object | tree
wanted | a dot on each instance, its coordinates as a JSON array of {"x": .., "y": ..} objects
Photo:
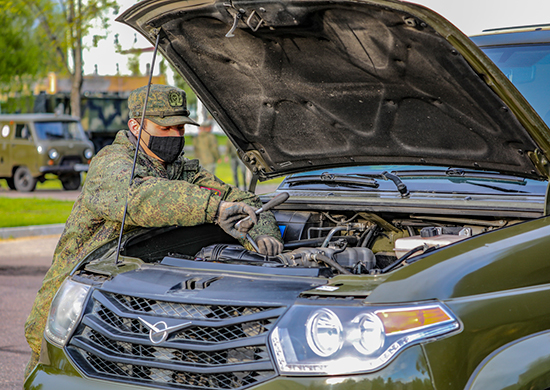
[
  {"x": 21, "y": 61},
  {"x": 63, "y": 23},
  {"x": 133, "y": 64},
  {"x": 182, "y": 84}
]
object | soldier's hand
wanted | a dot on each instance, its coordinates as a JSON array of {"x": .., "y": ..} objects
[
  {"x": 229, "y": 213},
  {"x": 269, "y": 245}
]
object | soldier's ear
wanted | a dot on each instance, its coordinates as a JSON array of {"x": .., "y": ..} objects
[{"x": 133, "y": 125}]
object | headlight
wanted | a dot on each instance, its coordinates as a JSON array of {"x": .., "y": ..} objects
[
  {"x": 352, "y": 339},
  {"x": 324, "y": 332},
  {"x": 88, "y": 154},
  {"x": 53, "y": 154},
  {"x": 369, "y": 336},
  {"x": 65, "y": 311}
]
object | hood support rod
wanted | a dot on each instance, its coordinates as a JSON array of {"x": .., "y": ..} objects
[{"x": 157, "y": 32}]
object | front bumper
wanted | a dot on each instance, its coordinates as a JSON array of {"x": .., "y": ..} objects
[
  {"x": 60, "y": 169},
  {"x": 55, "y": 371}
]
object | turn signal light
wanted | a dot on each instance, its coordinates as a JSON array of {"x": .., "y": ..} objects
[{"x": 405, "y": 320}]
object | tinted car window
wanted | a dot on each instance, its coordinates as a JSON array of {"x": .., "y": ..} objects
[
  {"x": 22, "y": 131},
  {"x": 528, "y": 68},
  {"x": 59, "y": 130}
]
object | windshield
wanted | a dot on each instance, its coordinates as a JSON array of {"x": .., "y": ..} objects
[
  {"x": 59, "y": 130},
  {"x": 528, "y": 68}
]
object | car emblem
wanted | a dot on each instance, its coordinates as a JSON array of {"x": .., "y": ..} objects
[{"x": 159, "y": 331}]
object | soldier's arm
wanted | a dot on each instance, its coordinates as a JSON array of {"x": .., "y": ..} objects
[
  {"x": 152, "y": 201},
  {"x": 266, "y": 221}
]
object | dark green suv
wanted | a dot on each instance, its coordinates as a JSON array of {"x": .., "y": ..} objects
[
  {"x": 417, "y": 236},
  {"x": 33, "y": 145},
  {"x": 523, "y": 55}
]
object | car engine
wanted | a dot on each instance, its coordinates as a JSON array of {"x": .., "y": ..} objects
[
  {"x": 355, "y": 246},
  {"x": 329, "y": 242}
]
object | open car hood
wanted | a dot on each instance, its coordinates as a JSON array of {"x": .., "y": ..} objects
[{"x": 318, "y": 84}]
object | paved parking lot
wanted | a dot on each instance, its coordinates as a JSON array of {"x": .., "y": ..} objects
[
  {"x": 23, "y": 263},
  {"x": 52, "y": 194}
]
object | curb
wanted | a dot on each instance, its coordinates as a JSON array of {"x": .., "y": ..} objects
[{"x": 31, "y": 231}]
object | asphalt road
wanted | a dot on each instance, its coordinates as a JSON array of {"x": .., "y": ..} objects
[
  {"x": 23, "y": 263},
  {"x": 50, "y": 194}
]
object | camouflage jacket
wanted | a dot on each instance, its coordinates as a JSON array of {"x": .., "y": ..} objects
[
  {"x": 206, "y": 148},
  {"x": 181, "y": 194}
]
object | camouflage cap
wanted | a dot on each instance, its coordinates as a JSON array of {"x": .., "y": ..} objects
[{"x": 166, "y": 105}]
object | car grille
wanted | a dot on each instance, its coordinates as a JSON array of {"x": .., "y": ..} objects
[
  {"x": 222, "y": 347},
  {"x": 70, "y": 160}
]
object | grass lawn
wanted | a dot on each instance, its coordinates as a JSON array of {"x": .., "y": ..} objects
[
  {"x": 51, "y": 184},
  {"x": 32, "y": 211}
]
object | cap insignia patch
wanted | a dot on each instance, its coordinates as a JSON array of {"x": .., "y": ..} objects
[{"x": 175, "y": 98}]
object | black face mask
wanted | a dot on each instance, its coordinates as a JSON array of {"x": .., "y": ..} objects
[{"x": 166, "y": 148}]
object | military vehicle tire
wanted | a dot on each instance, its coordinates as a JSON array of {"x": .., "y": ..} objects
[
  {"x": 23, "y": 180},
  {"x": 11, "y": 185},
  {"x": 70, "y": 182}
]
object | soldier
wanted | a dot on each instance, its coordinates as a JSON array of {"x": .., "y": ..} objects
[
  {"x": 237, "y": 166},
  {"x": 167, "y": 189},
  {"x": 206, "y": 147}
]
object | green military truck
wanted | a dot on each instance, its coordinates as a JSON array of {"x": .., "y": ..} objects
[
  {"x": 102, "y": 114},
  {"x": 33, "y": 145}
]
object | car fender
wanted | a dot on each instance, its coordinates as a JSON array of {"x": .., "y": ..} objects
[
  {"x": 502, "y": 260},
  {"x": 521, "y": 364}
]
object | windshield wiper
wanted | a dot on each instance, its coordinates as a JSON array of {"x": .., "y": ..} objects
[
  {"x": 459, "y": 175},
  {"x": 462, "y": 173},
  {"x": 333, "y": 179},
  {"x": 401, "y": 187},
  {"x": 496, "y": 188},
  {"x": 354, "y": 179}
]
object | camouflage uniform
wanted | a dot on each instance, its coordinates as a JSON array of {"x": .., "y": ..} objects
[
  {"x": 237, "y": 166},
  {"x": 182, "y": 193}
]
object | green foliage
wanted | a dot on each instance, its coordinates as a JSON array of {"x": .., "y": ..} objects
[
  {"x": 23, "y": 103},
  {"x": 182, "y": 84},
  {"x": 133, "y": 64},
  {"x": 162, "y": 66},
  {"x": 63, "y": 23},
  {"x": 43, "y": 36},
  {"x": 22, "y": 59}
]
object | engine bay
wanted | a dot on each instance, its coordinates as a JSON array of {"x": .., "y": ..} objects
[
  {"x": 362, "y": 243},
  {"x": 328, "y": 243}
]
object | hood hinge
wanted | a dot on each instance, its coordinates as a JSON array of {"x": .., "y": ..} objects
[
  {"x": 251, "y": 18},
  {"x": 153, "y": 32},
  {"x": 255, "y": 162},
  {"x": 540, "y": 161}
]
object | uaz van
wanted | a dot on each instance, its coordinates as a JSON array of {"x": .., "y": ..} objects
[{"x": 32, "y": 145}]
